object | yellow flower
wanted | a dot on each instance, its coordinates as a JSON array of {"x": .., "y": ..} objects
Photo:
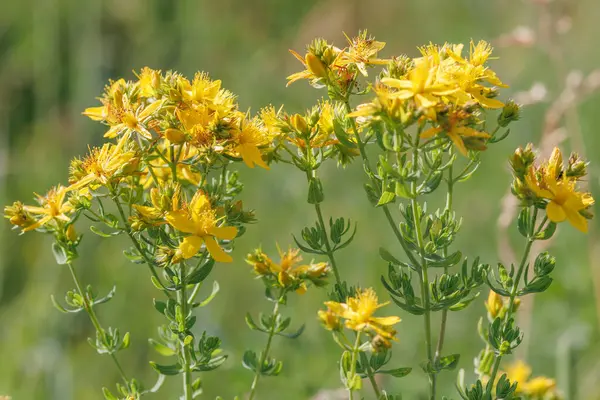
[
  {"x": 199, "y": 220},
  {"x": 17, "y": 215},
  {"x": 358, "y": 312},
  {"x": 52, "y": 208},
  {"x": 421, "y": 85},
  {"x": 149, "y": 81},
  {"x": 102, "y": 165},
  {"x": 201, "y": 90},
  {"x": 455, "y": 130},
  {"x": 538, "y": 387},
  {"x": 288, "y": 272},
  {"x": 163, "y": 199},
  {"x": 565, "y": 203},
  {"x": 362, "y": 52},
  {"x": 330, "y": 320},
  {"x": 247, "y": 141}
]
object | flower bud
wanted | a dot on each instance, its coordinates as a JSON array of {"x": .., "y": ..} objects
[
  {"x": 577, "y": 168},
  {"x": 494, "y": 305},
  {"x": 521, "y": 160},
  {"x": 71, "y": 234},
  {"x": 511, "y": 112},
  {"x": 299, "y": 123},
  {"x": 315, "y": 65},
  {"x": 175, "y": 136}
]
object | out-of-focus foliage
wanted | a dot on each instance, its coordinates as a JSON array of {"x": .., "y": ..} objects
[{"x": 55, "y": 55}]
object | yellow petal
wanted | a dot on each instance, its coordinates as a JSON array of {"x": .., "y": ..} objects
[
  {"x": 216, "y": 252},
  {"x": 386, "y": 321},
  {"x": 190, "y": 246},
  {"x": 487, "y": 102},
  {"x": 251, "y": 155},
  {"x": 96, "y": 113},
  {"x": 224, "y": 232},
  {"x": 577, "y": 220},
  {"x": 555, "y": 212},
  {"x": 431, "y": 132},
  {"x": 180, "y": 221},
  {"x": 458, "y": 142},
  {"x": 148, "y": 111},
  {"x": 199, "y": 203}
]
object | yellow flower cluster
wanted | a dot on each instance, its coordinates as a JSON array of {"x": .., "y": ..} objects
[
  {"x": 539, "y": 387},
  {"x": 169, "y": 133},
  {"x": 170, "y": 109},
  {"x": 314, "y": 130},
  {"x": 553, "y": 185},
  {"x": 441, "y": 87},
  {"x": 358, "y": 313},
  {"x": 289, "y": 273}
]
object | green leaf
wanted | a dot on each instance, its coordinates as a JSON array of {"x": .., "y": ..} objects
[
  {"x": 315, "y": 191},
  {"x": 160, "y": 306},
  {"x": 211, "y": 296},
  {"x": 547, "y": 233},
  {"x": 448, "y": 362},
  {"x": 397, "y": 372},
  {"x": 252, "y": 325},
  {"x": 341, "y": 134},
  {"x": 387, "y": 256},
  {"x": 386, "y": 197},
  {"x": 108, "y": 395},
  {"x": 293, "y": 335},
  {"x": 161, "y": 348},
  {"x": 103, "y": 234},
  {"x": 249, "y": 360},
  {"x": 431, "y": 184},
  {"x": 200, "y": 274},
  {"x": 60, "y": 254},
  {"x": 524, "y": 222},
  {"x": 169, "y": 370},
  {"x": 126, "y": 341}
]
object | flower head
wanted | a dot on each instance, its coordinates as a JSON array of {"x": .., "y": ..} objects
[
  {"x": 549, "y": 183},
  {"x": 102, "y": 165},
  {"x": 198, "y": 220},
  {"x": 53, "y": 208},
  {"x": 358, "y": 313},
  {"x": 289, "y": 273}
]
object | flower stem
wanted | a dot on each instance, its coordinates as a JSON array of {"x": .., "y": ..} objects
[
  {"x": 449, "y": 193},
  {"x": 183, "y": 303},
  {"x": 423, "y": 270},
  {"x": 136, "y": 243},
  {"x": 355, "y": 352},
  {"x": 92, "y": 314},
  {"x": 514, "y": 290},
  {"x": 265, "y": 353},
  {"x": 371, "y": 376},
  {"x": 336, "y": 272}
]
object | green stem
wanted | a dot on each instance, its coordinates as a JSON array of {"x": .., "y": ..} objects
[
  {"x": 183, "y": 303},
  {"x": 388, "y": 216},
  {"x": 334, "y": 266},
  {"x": 440, "y": 344},
  {"x": 264, "y": 354},
  {"x": 514, "y": 290},
  {"x": 92, "y": 314},
  {"x": 371, "y": 377},
  {"x": 423, "y": 273},
  {"x": 136, "y": 243},
  {"x": 355, "y": 352}
]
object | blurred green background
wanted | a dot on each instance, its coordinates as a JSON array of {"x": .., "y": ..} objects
[{"x": 55, "y": 57}]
